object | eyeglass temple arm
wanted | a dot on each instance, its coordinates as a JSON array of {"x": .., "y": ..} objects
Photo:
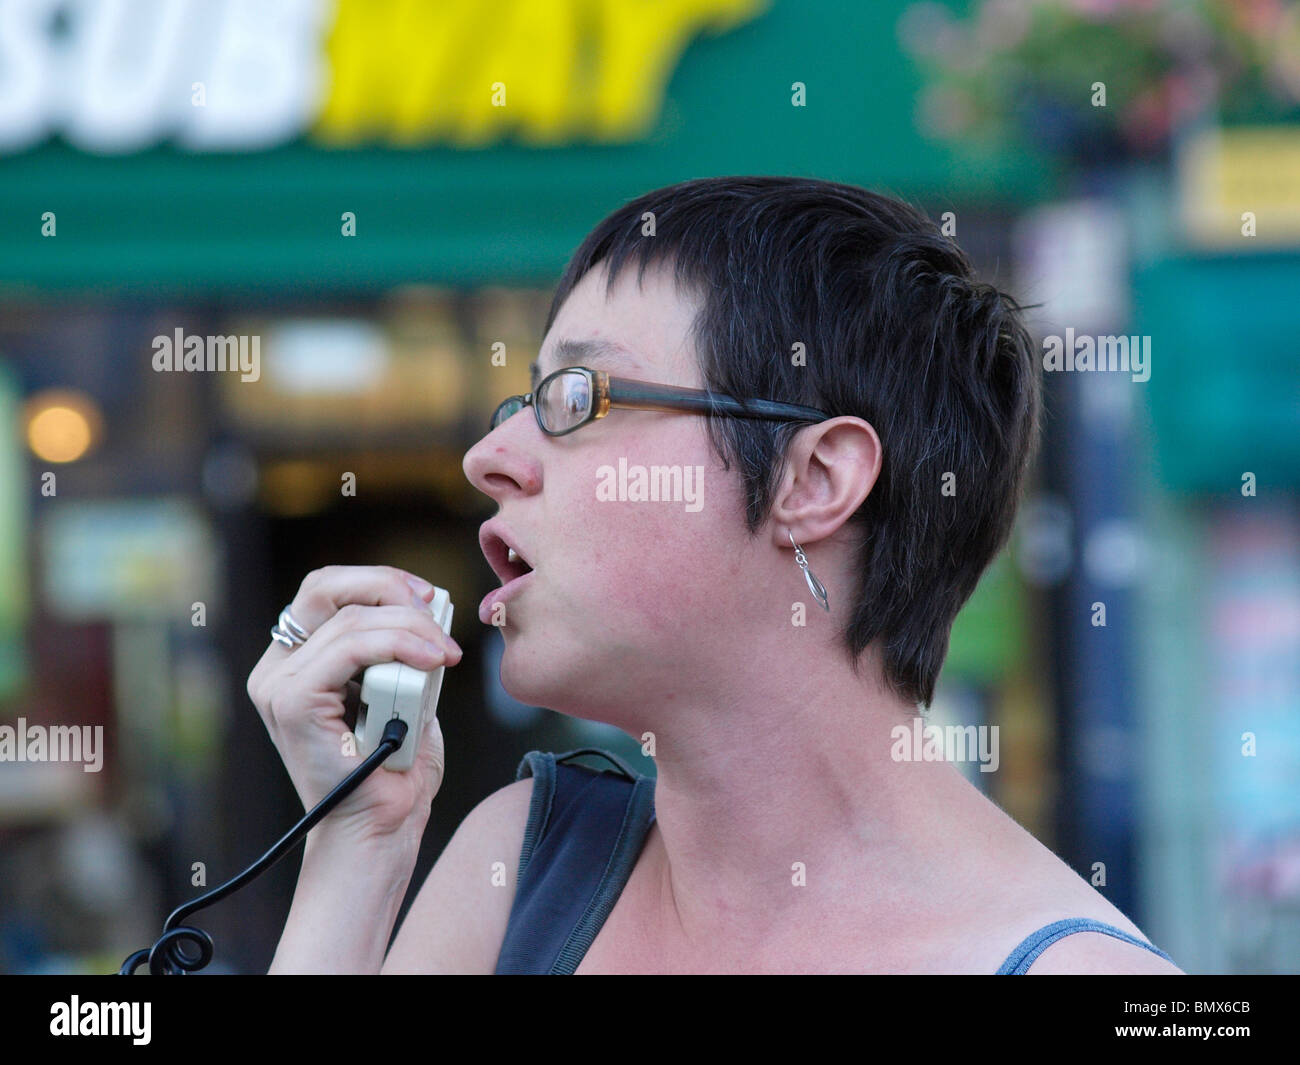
[{"x": 642, "y": 396}]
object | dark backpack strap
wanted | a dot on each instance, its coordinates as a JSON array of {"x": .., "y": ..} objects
[{"x": 584, "y": 833}]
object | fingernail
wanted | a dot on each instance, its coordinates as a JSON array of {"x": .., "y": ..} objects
[{"x": 420, "y": 587}]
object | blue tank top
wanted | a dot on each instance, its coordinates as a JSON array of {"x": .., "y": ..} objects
[{"x": 584, "y": 834}]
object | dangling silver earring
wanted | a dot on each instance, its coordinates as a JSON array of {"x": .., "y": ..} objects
[{"x": 814, "y": 585}]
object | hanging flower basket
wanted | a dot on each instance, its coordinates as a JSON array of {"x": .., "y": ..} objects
[{"x": 1102, "y": 81}]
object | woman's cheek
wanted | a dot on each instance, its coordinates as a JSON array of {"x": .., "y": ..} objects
[
  {"x": 654, "y": 564},
  {"x": 665, "y": 577}
]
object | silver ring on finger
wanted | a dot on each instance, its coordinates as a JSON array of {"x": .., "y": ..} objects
[
  {"x": 290, "y": 626},
  {"x": 288, "y": 632}
]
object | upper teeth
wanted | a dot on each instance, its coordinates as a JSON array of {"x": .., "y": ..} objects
[{"x": 513, "y": 556}]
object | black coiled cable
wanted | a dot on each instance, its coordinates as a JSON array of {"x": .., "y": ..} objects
[{"x": 169, "y": 956}]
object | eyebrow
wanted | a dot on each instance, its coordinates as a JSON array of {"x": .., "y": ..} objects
[{"x": 582, "y": 353}]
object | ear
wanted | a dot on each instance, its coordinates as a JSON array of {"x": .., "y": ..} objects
[{"x": 830, "y": 470}]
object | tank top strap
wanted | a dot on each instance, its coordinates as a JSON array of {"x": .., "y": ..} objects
[
  {"x": 597, "y": 752},
  {"x": 584, "y": 833},
  {"x": 1020, "y": 959}
]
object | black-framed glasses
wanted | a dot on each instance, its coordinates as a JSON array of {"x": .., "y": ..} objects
[{"x": 573, "y": 396}]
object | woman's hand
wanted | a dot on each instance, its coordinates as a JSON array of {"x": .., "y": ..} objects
[{"x": 357, "y": 616}]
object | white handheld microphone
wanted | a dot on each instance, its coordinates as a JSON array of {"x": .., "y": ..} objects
[{"x": 394, "y": 689}]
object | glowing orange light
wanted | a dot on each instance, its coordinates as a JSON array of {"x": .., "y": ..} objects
[{"x": 62, "y": 425}]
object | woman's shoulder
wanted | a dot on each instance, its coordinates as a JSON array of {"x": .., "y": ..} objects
[
  {"x": 458, "y": 920},
  {"x": 1050, "y": 916}
]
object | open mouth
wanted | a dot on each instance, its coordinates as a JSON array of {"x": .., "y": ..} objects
[
  {"x": 506, "y": 560},
  {"x": 516, "y": 560}
]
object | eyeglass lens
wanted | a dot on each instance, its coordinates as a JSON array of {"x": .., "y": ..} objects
[
  {"x": 564, "y": 400},
  {"x": 507, "y": 410}
]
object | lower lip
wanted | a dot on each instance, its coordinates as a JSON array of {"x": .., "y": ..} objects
[{"x": 499, "y": 595}]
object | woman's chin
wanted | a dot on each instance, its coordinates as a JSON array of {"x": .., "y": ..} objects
[{"x": 541, "y": 684}]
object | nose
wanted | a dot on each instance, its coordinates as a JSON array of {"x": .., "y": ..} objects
[{"x": 500, "y": 464}]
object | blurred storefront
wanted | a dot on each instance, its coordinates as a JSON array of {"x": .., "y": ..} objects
[
  {"x": 1222, "y": 510},
  {"x": 343, "y": 187}
]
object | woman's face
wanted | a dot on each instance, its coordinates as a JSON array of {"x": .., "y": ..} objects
[{"x": 628, "y": 600}]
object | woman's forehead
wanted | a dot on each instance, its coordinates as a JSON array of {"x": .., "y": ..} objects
[
  {"x": 640, "y": 331},
  {"x": 599, "y": 353}
]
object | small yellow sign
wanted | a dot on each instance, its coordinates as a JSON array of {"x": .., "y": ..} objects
[{"x": 1240, "y": 188}]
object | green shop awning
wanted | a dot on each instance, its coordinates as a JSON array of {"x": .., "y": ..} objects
[{"x": 395, "y": 122}]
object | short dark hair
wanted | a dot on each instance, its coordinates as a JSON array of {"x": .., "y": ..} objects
[{"x": 897, "y": 331}]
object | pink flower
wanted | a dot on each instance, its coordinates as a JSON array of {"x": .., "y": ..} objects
[
  {"x": 1146, "y": 121},
  {"x": 1257, "y": 17}
]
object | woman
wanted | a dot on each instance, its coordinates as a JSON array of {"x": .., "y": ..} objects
[{"x": 762, "y": 624}]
